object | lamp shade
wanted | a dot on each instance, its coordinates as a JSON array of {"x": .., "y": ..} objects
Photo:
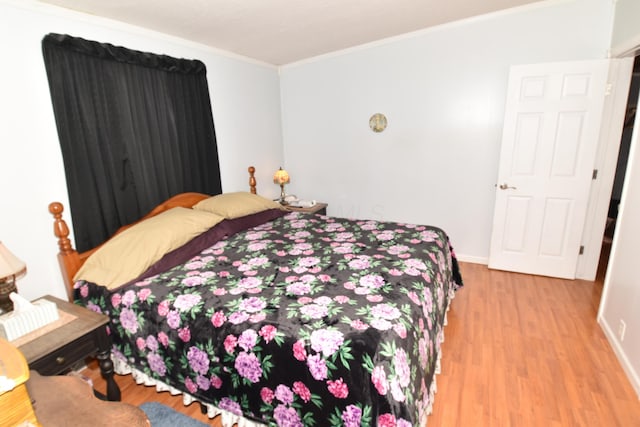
[
  {"x": 281, "y": 177},
  {"x": 9, "y": 264}
]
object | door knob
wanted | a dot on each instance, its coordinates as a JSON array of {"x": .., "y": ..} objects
[{"x": 506, "y": 186}]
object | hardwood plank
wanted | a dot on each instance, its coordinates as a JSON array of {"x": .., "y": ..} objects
[
  {"x": 527, "y": 351},
  {"x": 520, "y": 350}
]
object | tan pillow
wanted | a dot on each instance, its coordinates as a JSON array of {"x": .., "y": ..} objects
[
  {"x": 236, "y": 205},
  {"x": 132, "y": 252}
]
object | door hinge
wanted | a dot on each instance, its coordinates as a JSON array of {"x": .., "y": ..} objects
[
  {"x": 581, "y": 250},
  {"x": 595, "y": 174},
  {"x": 608, "y": 89}
]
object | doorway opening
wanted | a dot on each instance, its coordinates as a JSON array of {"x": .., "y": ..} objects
[{"x": 621, "y": 168}]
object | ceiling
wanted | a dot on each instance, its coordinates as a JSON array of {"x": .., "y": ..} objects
[{"x": 280, "y": 32}]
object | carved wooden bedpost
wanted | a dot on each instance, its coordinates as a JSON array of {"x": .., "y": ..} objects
[
  {"x": 67, "y": 257},
  {"x": 252, "y": 179}
]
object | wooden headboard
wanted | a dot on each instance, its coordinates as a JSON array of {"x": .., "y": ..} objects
[{"x": 71, "y": 260}]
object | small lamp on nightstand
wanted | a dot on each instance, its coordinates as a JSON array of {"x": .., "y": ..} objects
[
  {"x": 10, "y": 269},
  {"x": 281, "y": 177}
]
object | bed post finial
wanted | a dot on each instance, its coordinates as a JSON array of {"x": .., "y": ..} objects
[
  {"x": 68, "y": 256},
  {"x": 60, "y": 228},
  {"x": 252, "y": 179}
]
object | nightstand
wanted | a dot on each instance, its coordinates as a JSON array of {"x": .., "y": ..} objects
[
  {"x": 318, "y": 208},
  {"x": 78, "y": 334}
]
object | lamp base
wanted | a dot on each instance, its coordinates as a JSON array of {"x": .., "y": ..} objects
[
  {"x": 282, "y": 201},
  {"x": 7, "y": 286}
]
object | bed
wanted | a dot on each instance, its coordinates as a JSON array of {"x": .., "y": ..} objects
[{"x": 272, "y": 317}]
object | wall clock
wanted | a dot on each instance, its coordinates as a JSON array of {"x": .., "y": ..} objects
[{"x": 378, "y": 122}]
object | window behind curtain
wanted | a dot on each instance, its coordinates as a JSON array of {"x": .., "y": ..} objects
[{"x": 135, "y": 128}]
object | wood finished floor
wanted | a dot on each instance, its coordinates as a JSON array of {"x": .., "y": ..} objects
[{"x": 519, "y": 350}]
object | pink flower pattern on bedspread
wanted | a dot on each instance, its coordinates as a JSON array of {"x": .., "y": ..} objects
[{"x": 300, "y": 321}]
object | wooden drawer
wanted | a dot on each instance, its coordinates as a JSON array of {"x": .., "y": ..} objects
[
  {"x": 16, "y": 409},
  {"x": 15, "y": 404},
  {"x": 60, "y": 360}
]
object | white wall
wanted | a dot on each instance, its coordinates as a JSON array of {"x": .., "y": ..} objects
[
  {"x": 443, "y": 92},
  {"x": 621, "y": 293},
  {"x": 246, "y": 109},
  {"x": 625, "y": 32}
]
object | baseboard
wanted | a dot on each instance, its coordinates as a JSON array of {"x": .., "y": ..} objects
[
  {"x": 632, "y": 375},
  {"x": 472, "y": 259}
]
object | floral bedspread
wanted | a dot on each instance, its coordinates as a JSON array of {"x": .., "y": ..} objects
[{"x": 301, "y": 321}]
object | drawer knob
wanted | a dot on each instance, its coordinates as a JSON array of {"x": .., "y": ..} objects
[{"x": 60, "y": 360}]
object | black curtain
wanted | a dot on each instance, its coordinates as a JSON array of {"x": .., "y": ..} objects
[{"x": 135, "y": 128}]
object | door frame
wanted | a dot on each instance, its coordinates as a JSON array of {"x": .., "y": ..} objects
[{"x": 620, "y": 73}]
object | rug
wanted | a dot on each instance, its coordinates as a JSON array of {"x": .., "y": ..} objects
[{"x": 163, "y": 416}]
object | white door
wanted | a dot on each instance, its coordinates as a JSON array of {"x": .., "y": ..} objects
[{"x": 549, "y": 142}]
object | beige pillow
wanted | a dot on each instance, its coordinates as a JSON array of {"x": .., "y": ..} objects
[
  {"x": 236, "y": 205},
  {"x": 132, "y": 252}
]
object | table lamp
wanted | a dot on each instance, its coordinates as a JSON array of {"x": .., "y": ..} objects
[
  {"x": 281, "y": 177},
  {"x": 10, "y": 269}
]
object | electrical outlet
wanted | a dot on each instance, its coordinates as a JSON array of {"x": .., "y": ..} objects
[{"x": 621, "y": 328}]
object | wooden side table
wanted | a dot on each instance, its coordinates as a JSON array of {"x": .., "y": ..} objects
[
  {"x": 78, "y": 334},
  {"x": 318, "y": 208}
]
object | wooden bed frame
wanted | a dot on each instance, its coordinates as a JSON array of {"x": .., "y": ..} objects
[{"x": 71, "y": 260}]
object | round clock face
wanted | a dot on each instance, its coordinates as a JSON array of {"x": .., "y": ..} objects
[{"x": 378, "y": 122}]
